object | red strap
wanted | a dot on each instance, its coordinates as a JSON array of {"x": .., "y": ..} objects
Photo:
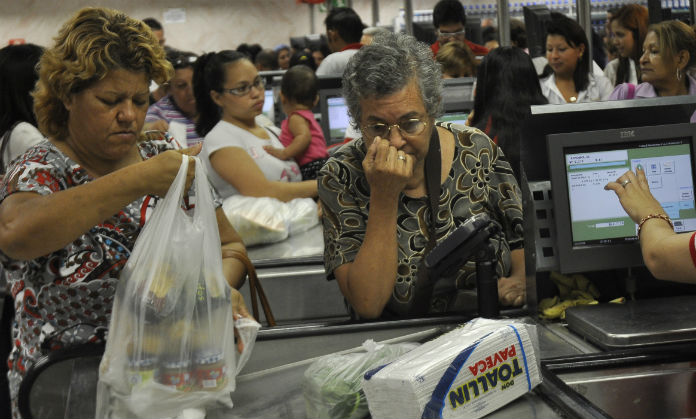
[
  {"x": 631, "y": 91},
  {"x": 692, "y": 248}
]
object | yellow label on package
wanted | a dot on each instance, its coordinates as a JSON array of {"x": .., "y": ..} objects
[{"x": 466, "y": 373}]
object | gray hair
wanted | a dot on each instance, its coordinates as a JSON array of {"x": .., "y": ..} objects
[
  {"x": 374, "y": 30},
  {"x": 386, "y": 66}
]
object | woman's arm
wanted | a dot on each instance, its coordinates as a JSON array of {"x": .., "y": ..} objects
[
  {"x": 33, "y": 225},
  {"x": 368, "y": 281},
  {"x": 236, "y": 167},
  {"x": 301, "y": 137},
  {"x": 666, "y": 254}
]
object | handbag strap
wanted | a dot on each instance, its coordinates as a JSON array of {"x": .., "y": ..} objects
[{"x": 254, "y": 286}]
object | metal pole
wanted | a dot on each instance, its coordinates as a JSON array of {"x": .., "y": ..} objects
[
  {"x": 692, "y": 11},
  {"x": 584, "y": 14},
  {"x": 312, "y": 26},
  {"x": 408, "y": 6},
  {"x": 504, "y": 22},
  {"x": 375, "y": 12}
]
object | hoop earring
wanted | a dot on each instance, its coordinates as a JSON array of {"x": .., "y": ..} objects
[{"x": 679, "y": 75}]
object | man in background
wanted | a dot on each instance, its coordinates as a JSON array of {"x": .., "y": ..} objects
[
  {"x": 344, "y": 28},
  {"x": 156, "y": 28},
  {"x": 449, "y": 20}
]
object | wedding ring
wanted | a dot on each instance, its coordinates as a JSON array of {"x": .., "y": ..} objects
[
  {"x": 625, "y": 182},
  {"x": 401, "y": 157}
]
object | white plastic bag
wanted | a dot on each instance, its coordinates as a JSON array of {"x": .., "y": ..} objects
[
  {"x": 332, "y": 385},
  {"x": 171, "y": 337},
  {"x": 260, "y": 220}
]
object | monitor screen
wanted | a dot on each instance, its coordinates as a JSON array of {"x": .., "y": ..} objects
[
  {"x": 456, "y": 117},
  {"x": 334, "y": 119},
  {"x": 577, "y": 117},
  {"x": 268, "y": 104},
  {"x": 594, "y": 232},
  {"x": 458, "y": 94}
]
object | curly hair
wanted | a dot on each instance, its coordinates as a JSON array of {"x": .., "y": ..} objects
[
  {"x": 386, "y": 66},
  {"x": 92, "y": 43}
]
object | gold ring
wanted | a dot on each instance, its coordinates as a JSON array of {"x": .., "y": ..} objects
[{"x": 625, "y": 182}]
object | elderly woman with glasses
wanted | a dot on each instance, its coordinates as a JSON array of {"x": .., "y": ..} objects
[
  {"x": 377, "y": 206},
  {"x": 229, "y": 96}
]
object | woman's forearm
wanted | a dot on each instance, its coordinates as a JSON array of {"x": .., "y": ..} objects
[
  {"x": 372, "y": 275},
  {"x": 32, "y": 225}
]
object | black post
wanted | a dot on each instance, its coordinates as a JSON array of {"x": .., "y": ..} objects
[{"x": 487, "y": 282}]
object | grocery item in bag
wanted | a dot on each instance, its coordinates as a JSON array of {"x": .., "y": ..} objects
[
  {"x": 171, "y": 337},
  {"x": 466, "y": 373}
]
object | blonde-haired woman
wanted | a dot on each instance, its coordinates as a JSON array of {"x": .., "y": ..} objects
[{"x": 72, "y": 208}]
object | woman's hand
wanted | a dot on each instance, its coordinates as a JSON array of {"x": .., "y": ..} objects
[
  {"x": 158, "y": 125},
  {"x": 512, "y": 291},
  {"x": 634, "y": 194},
  {"x": 387, "y": 169},
  {"x": 163, "y": 168}
]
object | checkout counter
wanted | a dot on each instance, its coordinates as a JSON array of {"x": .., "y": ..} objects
[{"x": 604, "y": 361}]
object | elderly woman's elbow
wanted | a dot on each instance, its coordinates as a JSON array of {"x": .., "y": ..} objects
[{"x": 12, "y": 244}]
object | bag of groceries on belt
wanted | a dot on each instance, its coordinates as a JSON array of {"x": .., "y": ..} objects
[{"x": 171, "y": 343}]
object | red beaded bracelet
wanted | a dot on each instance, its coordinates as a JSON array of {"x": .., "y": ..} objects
[{"x": 651, "y": 216}]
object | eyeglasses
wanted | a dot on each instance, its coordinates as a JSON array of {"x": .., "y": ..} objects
[
  {"x": 407, "y": 128},
  {"x": 184, "y": 61},
  {"x": 244, "y": 89},
  {"x": 444, "y": 35}
]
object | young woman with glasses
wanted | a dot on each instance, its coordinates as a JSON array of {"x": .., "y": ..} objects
[
  {"x": 376, "y": 205},
  {"x": 229, "y": 96}
]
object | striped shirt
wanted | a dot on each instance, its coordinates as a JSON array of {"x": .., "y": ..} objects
[{"x": 166, "y": 110}]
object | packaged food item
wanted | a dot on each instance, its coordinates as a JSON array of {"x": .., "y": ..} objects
[
  {"x": 141, "y": 371},
  {"x": 175, "y": 373},
  {"x": 210, "y": 370},
  {"x": 466, "y": 373}
]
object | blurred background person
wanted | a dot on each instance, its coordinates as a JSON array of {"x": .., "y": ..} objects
[
  {"x": 73, "y": 206},
  {"x": 518, "y": 34},
  {"x": 229, "y": 96},
  {"x": 629, "y": 25},
  {"x": 178, "y": 104},
  {"x": 266, "y": 60},
  {"x": 449, "y": 19},
  {"x": 369, "y": 32},
  {"x": 302, "y": 57},
  {"x": 18, "y": 127},
  {"x": 157, "y": 29},
  {"x": 283, "y": 55},
  {"x": 344, "y": 29},
  {"x": 568, "y": 77},
  {"x": 456, "y": 60},
  {"x": 669, "y": 52},
  {"x": 506, "y": 87},
  {"x": 490, "y": 37}
]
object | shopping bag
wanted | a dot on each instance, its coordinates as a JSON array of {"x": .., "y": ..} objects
[{"x": 171, "y": 343}]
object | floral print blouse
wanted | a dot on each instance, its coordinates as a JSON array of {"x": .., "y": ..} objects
[{"x": 480, "y": 180}]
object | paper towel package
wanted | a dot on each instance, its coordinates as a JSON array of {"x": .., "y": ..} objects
[{"x": 466, "y": 373}]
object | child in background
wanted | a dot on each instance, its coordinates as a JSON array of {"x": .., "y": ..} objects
[{"x": 300, "y": 132}]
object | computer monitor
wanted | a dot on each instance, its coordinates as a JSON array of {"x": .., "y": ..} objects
[
  {"x": 269, "y": 104},
  {"x": 576, "y": 117},
  {"x": 456, "y": 117},
  {"x": 334, "y": 115},
  {"x": 473, "y": 30},
  {"x": 536, "y": 18},
  {"x": 593, "y": 231},
  {"x": 458, "y": 94}
]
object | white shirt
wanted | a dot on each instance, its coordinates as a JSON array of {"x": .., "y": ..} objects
[
  {"x": 613, "y": 66},
  {"x": 599, "y": 88},
  {"x": 335, "y": 63},
  {"x": 225, "y": 135},
  {"x": 23, "y": 136}
]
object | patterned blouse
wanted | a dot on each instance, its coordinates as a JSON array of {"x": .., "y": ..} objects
[
  {"x": 65, "y": 297},
  {"x": 480, "y": 180}
]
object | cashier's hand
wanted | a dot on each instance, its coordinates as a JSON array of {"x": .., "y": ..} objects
[
  {"x": 387, "y": 169},
  {"x": 511, "y": 291},
  {"x": 239, "y": 310}
]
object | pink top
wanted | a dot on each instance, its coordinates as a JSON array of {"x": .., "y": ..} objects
[{"x": 317, "y": 145}]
